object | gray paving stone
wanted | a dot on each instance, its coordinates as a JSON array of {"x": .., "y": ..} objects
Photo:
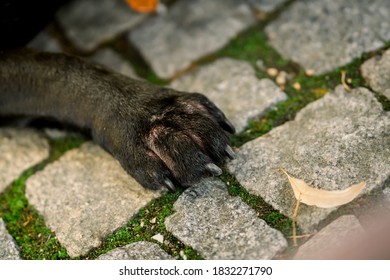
[
  {"x": 137, "y": 251},
  {"x": 330, "y": 238},
  {"x": 20, "y": 149},
  {"x": 322, "y": 35},
  {"x": 84, "y": 196},
  {"x": 334, "y": 142},
  {"x": 44, "y": 42},
  {"x": 8, "y": 248},
  {"x": 88, "y": 23},
  {"x": 376, "y": 71},
  {"x": 386, "y": 197},
  {"x": 266, "y": 5},
  {"x": 233, "y": 87},
  {"x": 114, "y": 61},
  {"x": 189, "y": 30},
  {"x": 219, "y": 226}
]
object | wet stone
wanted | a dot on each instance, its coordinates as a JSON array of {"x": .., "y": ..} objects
[
  {"x": 8, "y": 248},
  {"x": 114, "y": 61},
  {"x": 85, "y": 196},
  {"x": 219, "y": 226},
  {"x": 376, "y": 71},
  {"x": 330, "y": 238},
  {"x": 333, "y": 143},
  {"x": 189, "y": 30},
  {"x": 232, "y": 85},
  {"x": 20, "y": 149},
  {"x": 322, "y": 35},
  {"x": 88, "y": 24},
  {"x": 137, "y": 251}
]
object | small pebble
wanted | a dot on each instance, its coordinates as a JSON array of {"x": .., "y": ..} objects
[
  {"x": 159, "y": 237},
  {"x": 309, "y": 72},
  {"x": 281, "y": 79},
  {"x": 297, "y": 86},
  {"x": 273, "y": 72},
  {"x": 260, "y": 65}
]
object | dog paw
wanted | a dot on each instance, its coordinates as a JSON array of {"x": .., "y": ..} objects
[{"x": 169, "y": 139}]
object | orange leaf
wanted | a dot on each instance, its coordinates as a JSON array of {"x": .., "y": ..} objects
[{"x": 143, "y": 6}]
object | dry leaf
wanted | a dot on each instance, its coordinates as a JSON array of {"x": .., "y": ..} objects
[{"x": 323, "y": 198}]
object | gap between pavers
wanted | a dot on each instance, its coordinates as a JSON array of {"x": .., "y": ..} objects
[
  {"x": 85, "y": 196},
  {"x": 333, "y": 143},
  {"x": 220, "y": 226}
]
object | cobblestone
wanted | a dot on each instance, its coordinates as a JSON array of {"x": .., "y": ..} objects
[
  {"x": 85, "y": 196},
  {"x": 190, "y": 30},
  {"x": 330, "y": 237},
  {"x": 322, "y": 35},
  {"x": 376, "y": 71},
  {"x": 19, "y": 150},
  {"x": 137, "y": 251},
  {"x": 8, "y": 248},
  {"x": 88, "y": 25},
  {"x": 219, "y": 226}
]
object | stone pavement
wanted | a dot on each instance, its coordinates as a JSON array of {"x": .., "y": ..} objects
[{"x": 338, "y": 140}]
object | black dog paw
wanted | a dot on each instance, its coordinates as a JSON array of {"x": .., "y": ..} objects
[{"x": 167, "y": 138}]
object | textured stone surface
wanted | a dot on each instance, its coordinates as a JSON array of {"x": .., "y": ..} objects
[
  {"x": 376, "y": 71},
  {"x": 233, "y": 87},
  {"x": 114, "y": 61},
  {"x": 266, "y": 5},
  {"x": 137, "y": 251},
  {"x": 88, "y": 23},
  {"x": 44, "y": 42},
  {"x": 189, "y": 30},
  {"x": 330, "y": 238},
  {"x": 219, "y": 226},
  {"x": 386, "y": 197},
  {"x": 8, "y": 248},
  {"x": 322, "y": 35},
  {"x": 334, "y": 142},
  {"x": 85, "y": 196},
  {"x": 19, "y": 150}
]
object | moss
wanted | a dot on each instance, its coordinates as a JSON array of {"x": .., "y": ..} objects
[
  {"x": 34, "y": 239},
  {"x": 264, "y": 211},
  {"x": 148, "y": 222}
]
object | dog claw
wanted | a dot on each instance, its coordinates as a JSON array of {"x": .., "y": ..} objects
[
  {"x": 169, "y": 185},
  {"x": 230, "y": 153},
  {"x": 230, "y": 126},
  {"x": 214, "y": 169}
]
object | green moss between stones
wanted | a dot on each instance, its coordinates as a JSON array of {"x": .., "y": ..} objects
[{"x": 23, "y": 222}]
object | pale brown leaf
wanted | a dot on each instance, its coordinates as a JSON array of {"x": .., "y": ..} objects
[{"x": 323, "y": 198}]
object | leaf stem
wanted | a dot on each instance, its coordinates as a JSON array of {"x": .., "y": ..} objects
[{"x": 294, "y": 228}]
